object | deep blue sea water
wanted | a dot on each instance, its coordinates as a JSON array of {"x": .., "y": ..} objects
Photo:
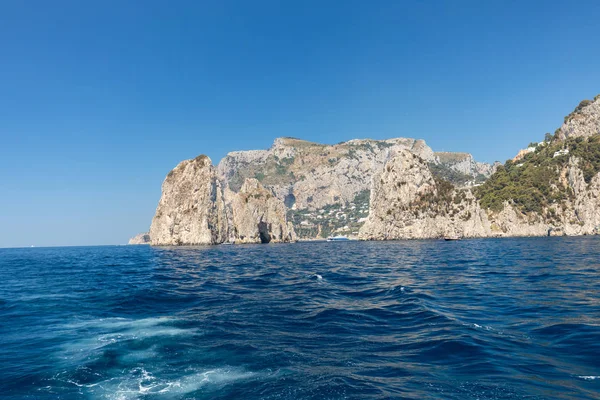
[{"x": 473, "y": 319}]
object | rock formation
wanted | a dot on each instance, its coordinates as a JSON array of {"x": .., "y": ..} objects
[
  {"x": 584, "y": 121},
  {"x": 191, "y": 209},
  {"x": 386, "y": 189},
  {"x": 408, "y": 203},
  {"x": 326, "y": 187},
  {"x": 194, "y": 209},
  {"x": 464, "y": 163},
  {"x": 308, "y": 175},
  {"x": 257, "y": 216},
  {"x": 142, "y": 238}
]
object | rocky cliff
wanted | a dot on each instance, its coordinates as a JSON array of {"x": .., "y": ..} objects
[
  {"x": 553, "y": 188},
  {"x": 386, "y": 189},
  {"x": 191, "y": 209},
  {"x": 465, "y": 164},
  {"x": 295, "y": 188},
  {"x": 326, "y": 187},
  {"x": 307, "y": 175},
  {"x": 257, "y": 216},
  {"x": 407, "y": 202},
  {"x": 142, "y": 238},
  {"x": 584, "y": 121},
  {"x": 196, "y": 209}
]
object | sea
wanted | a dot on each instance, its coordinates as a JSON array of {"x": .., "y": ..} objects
[{"x": 469, "y": 319}]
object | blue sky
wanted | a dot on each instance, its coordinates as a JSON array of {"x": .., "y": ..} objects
[{"x": 101, "y": 99}]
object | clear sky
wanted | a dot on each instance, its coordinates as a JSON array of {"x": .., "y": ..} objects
[{"x": 100, "y": 99}]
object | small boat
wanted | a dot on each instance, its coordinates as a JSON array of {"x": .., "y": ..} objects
[
  {"x": 337, "y": 239},
  {"x": 448, "y": 238}
]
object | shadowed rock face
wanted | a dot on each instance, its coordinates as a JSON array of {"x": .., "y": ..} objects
[
  {"x": 263, "y": 232},
  {"x": 257, "y": 216}
]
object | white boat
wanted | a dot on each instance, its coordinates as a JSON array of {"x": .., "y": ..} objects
[
  {"x": 337, "y": 238},
  {"x": 454, "y": 237}
]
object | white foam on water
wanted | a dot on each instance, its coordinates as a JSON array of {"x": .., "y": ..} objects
[
  {"x": 105, "y": 332},
  {"x": 119, "y": 323},
  {"x": 485, "y": 327},
  {"x": 589, "y": 377},
  {"x": 81, "y": 384},
  {"x": 134, "y": 357},
  {"x": 138, "y": 382},
  {"x": 45, "y": 296},
  {"x": 140, "y": 372}
]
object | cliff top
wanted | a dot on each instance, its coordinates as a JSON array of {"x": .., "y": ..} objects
[
  {"x": 582, "y": 108},
  {"x": 584, "y": 121},
  {"x": 300, "y": 143},
  {"x": 446, "y": 156}
]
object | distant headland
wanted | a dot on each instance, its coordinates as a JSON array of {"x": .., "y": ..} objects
[{"x": 383, "y": 190}]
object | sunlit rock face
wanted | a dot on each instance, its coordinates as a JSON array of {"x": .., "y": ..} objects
[
  {"x": 384, "y": 189},
  {"x": 325, "y": 188},
  {"x": 194, "y": 209},
  {"x": 315, "y": 175},
  {"x": 408, "y": 203},
  {"x": 142, "y": 238},
  {"x": 191, "y": 209},
  {"x": 584, "y": 121}
]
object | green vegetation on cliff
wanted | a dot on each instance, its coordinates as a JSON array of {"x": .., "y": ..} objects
[
  {"x": 443, "y": 172},
  {"x": 537, "y": 181},
  {"x": 274, "y": 171}
]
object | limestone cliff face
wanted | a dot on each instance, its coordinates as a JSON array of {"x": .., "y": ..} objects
[
  {"x": 583, "y": 218},
  {"x": 463, "y": 163},
  {"x": 584, "y": 121},
  {"x": 408, "y": 203},
  {"x": 308, "y": 175},
  {"x": 257, "y": 216},
  {"x": 386, "y": 189},
  {"x": 325, "y": 188},
  {"x": 195, "y": 209},
  {"x": 191, "y": 209},
  {"x": 142, "y": 238}
]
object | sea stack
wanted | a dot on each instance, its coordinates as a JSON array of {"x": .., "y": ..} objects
[
  {"x": 195, "y": 209},
  {"x": 191, "y": 209}
]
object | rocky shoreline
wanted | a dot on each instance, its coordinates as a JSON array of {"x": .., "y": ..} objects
[{"x": 385, "y": 190}]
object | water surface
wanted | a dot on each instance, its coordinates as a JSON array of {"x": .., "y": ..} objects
[{"x": 474, "y": 319}]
